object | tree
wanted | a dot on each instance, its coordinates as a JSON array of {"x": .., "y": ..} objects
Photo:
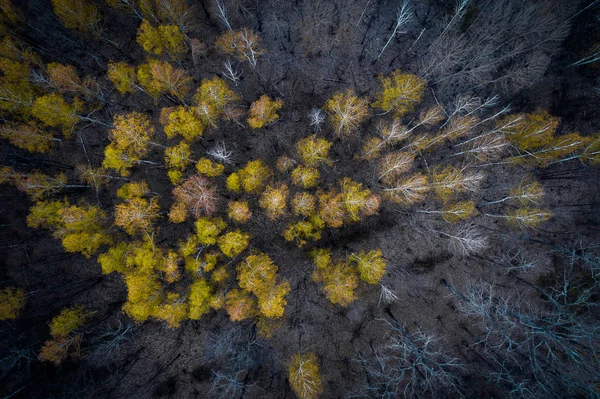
[
  {"x": 239, "y": 305},
  {"x": 81, "y": 228},
  {"x": 199, "y": 299},
  {"x": 304, "y": 376},
  {"x": 408, "y": 190},
  {"x": 177, "y": 158},
  {"x": 393, "y": 165},
  {"x": 264, "y": 112},
  {"x": 68, "y": 320},
  {"x": 356, "y": 201},
  {"x": 212, "y": 99},
  {"x": 304, "y": 230},
  {"x": 209, "y": 168},
  {"x": 133, "y": 190},
  {"x": 243, "y": 44},
  {"x": 239, "y": 211},
  {"x": 12, "y": 301},
  {"x": 256, "y": 272},
  {"x": 347, "y": 112},
  {"x": 466, "y": 240},
  {"x": 178, "y": 213},
  {"x": 136, "y": 215},
  {"x": 272, "y": 302},
  {"x": 233, "y": 243},
  {"x": 449, "y": 181},
  {"x": 409, "y": 365},
  {"x": 305, "y": 177},
  {"x": 453, "y": 213},
  {"x": 331, "y": 208},
  {"x": 181, "y": 121},
  {"x": 130, "y": 136},
  {"x": 28, "y": 137},
  {"x": 131, "y": 132},
  {"x": 208, "y": 229},
  {"x": 254, "y": 177},
  {"x": 123, "y": 77},
  {"x": 81, "y": 16},
  {"x": 338, "y": 277},
  {"x": 144, "y": 295},
  {"x": 170, "y": 267},
  {"x": 399, "y": 93},
  {"x": 303, "y": 204},
  {"x": 274, "y": 201},
  {"x": 64, "y": 78},
  {"x": 159, "y": 77},
  {"x": 164, "y": 38},
  {"x": 54, "y": 111},
  {"x": 527, "y": 191},
  {"x": 525, "y": 217},
  {"x": 65, "y": 341},
  {"x": 313, "y": 151},
  {"x": 94, "y": 177},
  {"x": 198, "y": 194},
  {"x": 38, "y": 185},
  {"x": 371, "y": 265},
  {"x": 173, "y": 310}
]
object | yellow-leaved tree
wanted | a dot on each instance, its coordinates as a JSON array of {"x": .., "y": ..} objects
[
  {"x": 161, "y": 78},
  {"x": 129, "y": 137},
  {"x": 213, "y": 98},
  {"x": 181, "y": 121},
  {"x": 233, "y": 243},
  {"x": 81, "y": 228},
  {"x": 399, "y": 93},
  {"x": 252, "y": 178},
  {"x": 201, "y": 294},
  {"x": 314, "y": 151},
  {"x": 347, "y": 112},
  {"x": 65, "y": 340},
  {"x": 163, "y": 38},
  {"x": 54, "y": 111},
  {"x": 12, "y": 301},
  {"x": 137, "y": 215},
  {"x": 304, "y": 376},
  {"x": 177, "y": 158},
  {"x": 339, "y": 278},
  {"x": 123, "y": 77},
  {"x": 274, "y": 201},
  {"x": 82, "y": 16},
  {"x": 371, "y": 265},
  {"x": 239, "y": 305},
  {"x": 239, "y": 211},
  {"x": 28, "y": 136}
]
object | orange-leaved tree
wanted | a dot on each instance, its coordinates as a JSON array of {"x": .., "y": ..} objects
[
  {"x": 264, "y": 111},
  {"x": 244, "y": 44}
]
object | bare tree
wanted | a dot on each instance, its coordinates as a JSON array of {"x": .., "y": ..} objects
[
  {"x": 220, "y": 153},
  {"x": 557, "y": 344},
  {"x": 222, "y": 13},
  {"x": 403, "y": 16},
  {"x": 316, "y": 118},
  {"x": 489, "y": 53},
  {"x": 409, "y": 365},
  {"x": 466, "y": 240},
  {"x": 232, "y": 73}
]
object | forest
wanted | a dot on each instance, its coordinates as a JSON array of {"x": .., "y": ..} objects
[{"x": 299, "y": 199}]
